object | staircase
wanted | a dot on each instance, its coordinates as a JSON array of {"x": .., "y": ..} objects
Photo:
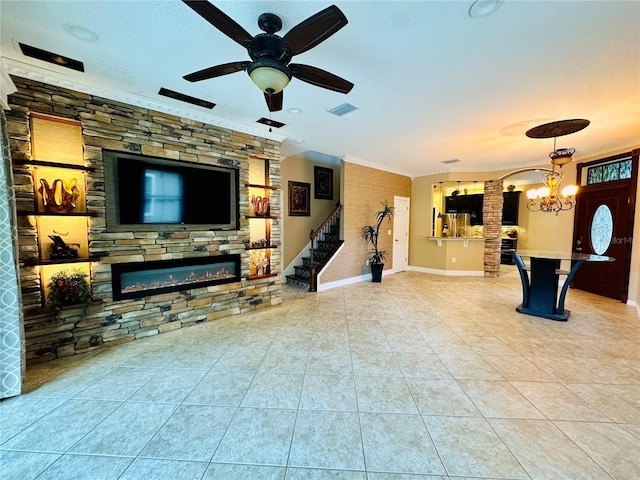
[{"x": 325, "y": 241}]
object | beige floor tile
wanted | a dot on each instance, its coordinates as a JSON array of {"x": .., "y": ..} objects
[
  {"x": 193, "y": 433},
  {"x": 468, "y": 366},
  {"x": 274, "y": 390},
  {"x": 328, "y": 440},
  {"x": 498, "y": 399},
  {"x": 398, "y": 443},
  {"x": 422, "y": 365},
  {"x": 328, "y": 392},
  {"x": 618, "y": 402},
  {"x": 126, "y": 431},
  {"x": 400, "y": 343},
  {"x": 47, "y": 435},
  {"x": 608, "y": 444},
  {"x": 557, "y": 402},
  {"x": 545, "y": 452},
  {"x": 517, "y": 368},
  {"x": 153, "y": 469},
  {"x": 384, "y": 394},
  {"x": 441, "y": 397},
  {"x": 470, "y": 447},
  {"x": 80, "y": 467},
  {"x": 221, "y": 388},
  {"x": 259, "y": 436},
  {"x": 225, "y": 471}
]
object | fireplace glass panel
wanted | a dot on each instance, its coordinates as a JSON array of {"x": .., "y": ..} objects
[{"x": 135, "y": 280}]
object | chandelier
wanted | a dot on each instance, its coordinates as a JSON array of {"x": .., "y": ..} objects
[{"x": 551, "y": 198}]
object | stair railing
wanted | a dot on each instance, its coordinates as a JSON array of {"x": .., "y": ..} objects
[{"x": 332, "y": 220}]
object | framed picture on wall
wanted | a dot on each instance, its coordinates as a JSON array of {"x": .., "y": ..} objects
[
  {"x": 323, "y": 183},
  {"x": 299, "y": 199}
]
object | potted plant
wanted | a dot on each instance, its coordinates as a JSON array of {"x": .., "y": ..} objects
[
  {"x": 68, "y": 287},
  {"x": 370, "y": 234}
]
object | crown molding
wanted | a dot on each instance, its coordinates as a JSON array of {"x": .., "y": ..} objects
[
  {"x": 7, "y": 87},
  {"x": 50, "y": 77},
  {"x": 357, "y": 161}
]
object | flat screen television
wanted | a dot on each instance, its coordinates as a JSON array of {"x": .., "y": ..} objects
[{"x": 148, "y": 193}]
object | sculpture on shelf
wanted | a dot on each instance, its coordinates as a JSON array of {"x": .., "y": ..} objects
[
  {"x": 58, "y": 197},
  {"x": 258, "y": 262},
  {"x": 259, "y": 206},
  {"x": 60, "y": 249}
]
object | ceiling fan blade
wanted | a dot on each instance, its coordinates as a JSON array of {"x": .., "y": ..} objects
[
  {"x": 315, "y": 29},
  {"x": 216, "y": 71},
  {"x": 274, "y": 101},
  {"x": 221, "y": 21},
  {"x": 320, "y": 78}
]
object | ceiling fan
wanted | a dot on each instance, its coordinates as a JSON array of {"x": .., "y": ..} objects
[{"x": 270, "y": 54}]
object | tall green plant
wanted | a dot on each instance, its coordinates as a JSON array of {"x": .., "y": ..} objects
[{"x": 371, "y": 232}]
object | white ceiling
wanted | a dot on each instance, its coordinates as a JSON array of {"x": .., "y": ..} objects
[{"x": 431, "y": 83}]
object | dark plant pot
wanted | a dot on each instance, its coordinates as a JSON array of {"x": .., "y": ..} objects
[{"x": 376, "y": 272}]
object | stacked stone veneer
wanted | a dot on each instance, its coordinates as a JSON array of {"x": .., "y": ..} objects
[
  {"x": 492, "y": 226},
  {"x": 109, "y": 125}
]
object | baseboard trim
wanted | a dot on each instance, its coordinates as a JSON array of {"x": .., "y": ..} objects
[{"x": 448, "y": 273}]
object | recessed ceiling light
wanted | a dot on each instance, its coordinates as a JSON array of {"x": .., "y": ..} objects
[
  {"x": 484, "y": 8},
  {"x": 299, "y": 140},
  {"x": 295, "y": 111},
  {"x": 80, "y": 32}
]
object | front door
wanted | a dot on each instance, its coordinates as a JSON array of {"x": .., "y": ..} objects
[
  {"x": 604, "y": 223},
  {"x": 400, "y": 234}
]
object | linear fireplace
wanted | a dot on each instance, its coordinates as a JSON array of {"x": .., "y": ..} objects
[{"x": 141, "y": 279}]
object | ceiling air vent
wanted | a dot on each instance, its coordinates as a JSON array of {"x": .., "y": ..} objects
[
  {"x": 271, "y": 123},
  {"x": 185, "y": 98},
  {"x": 453, "y": 160},
  {"x": 343, "y": 109},
  {"x": 50, "y": 57}
]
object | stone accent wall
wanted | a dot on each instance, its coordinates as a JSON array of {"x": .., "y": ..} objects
[
  {"x": 492, "y": 221},
  {"x": 116, "y": 126}
]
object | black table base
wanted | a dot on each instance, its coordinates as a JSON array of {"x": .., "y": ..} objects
[{"x": 540, "y": 293}]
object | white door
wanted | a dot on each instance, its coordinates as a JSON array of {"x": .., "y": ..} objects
[{"x": 400, "y": 234}]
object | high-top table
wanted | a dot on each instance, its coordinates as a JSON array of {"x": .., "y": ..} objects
[{"x": 540, "y": 293}]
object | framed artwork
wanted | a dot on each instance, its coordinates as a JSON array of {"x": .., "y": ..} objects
[
  {"x": 323, "y": 183},
  {"x": 299, "y": 199}
]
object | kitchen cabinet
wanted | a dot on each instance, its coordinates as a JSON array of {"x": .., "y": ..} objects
[{"x": 510, "y": 208}]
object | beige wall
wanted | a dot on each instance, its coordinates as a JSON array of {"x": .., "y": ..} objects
[
  {"x": 363, "y": 188},
  {"x": 296, "y": 229}
]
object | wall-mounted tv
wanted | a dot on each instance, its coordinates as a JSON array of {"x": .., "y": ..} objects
[{"x": 148, "y": 193}]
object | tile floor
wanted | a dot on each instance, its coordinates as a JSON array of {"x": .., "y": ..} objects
[{"x": 419, "y": 377}]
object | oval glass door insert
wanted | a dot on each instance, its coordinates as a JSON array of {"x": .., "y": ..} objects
[{"x": 601, "y": 229}]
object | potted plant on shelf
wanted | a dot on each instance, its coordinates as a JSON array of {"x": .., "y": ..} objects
[
  {"x": 68, "y": 287},
  {"x": 370, "y": 234}
]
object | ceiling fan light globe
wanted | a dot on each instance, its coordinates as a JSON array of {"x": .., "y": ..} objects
[{"x": 268, "y": 79}]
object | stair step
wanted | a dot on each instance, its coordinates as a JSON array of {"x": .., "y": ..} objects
[{"x": 298, "y": 282}]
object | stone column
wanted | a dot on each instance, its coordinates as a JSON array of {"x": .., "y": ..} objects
[{"x": 492, "y": 221}]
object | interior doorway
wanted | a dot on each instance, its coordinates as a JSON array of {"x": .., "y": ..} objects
[
  {"x": 400, "y": 234},
  {"x": 603, "y": 224}
]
